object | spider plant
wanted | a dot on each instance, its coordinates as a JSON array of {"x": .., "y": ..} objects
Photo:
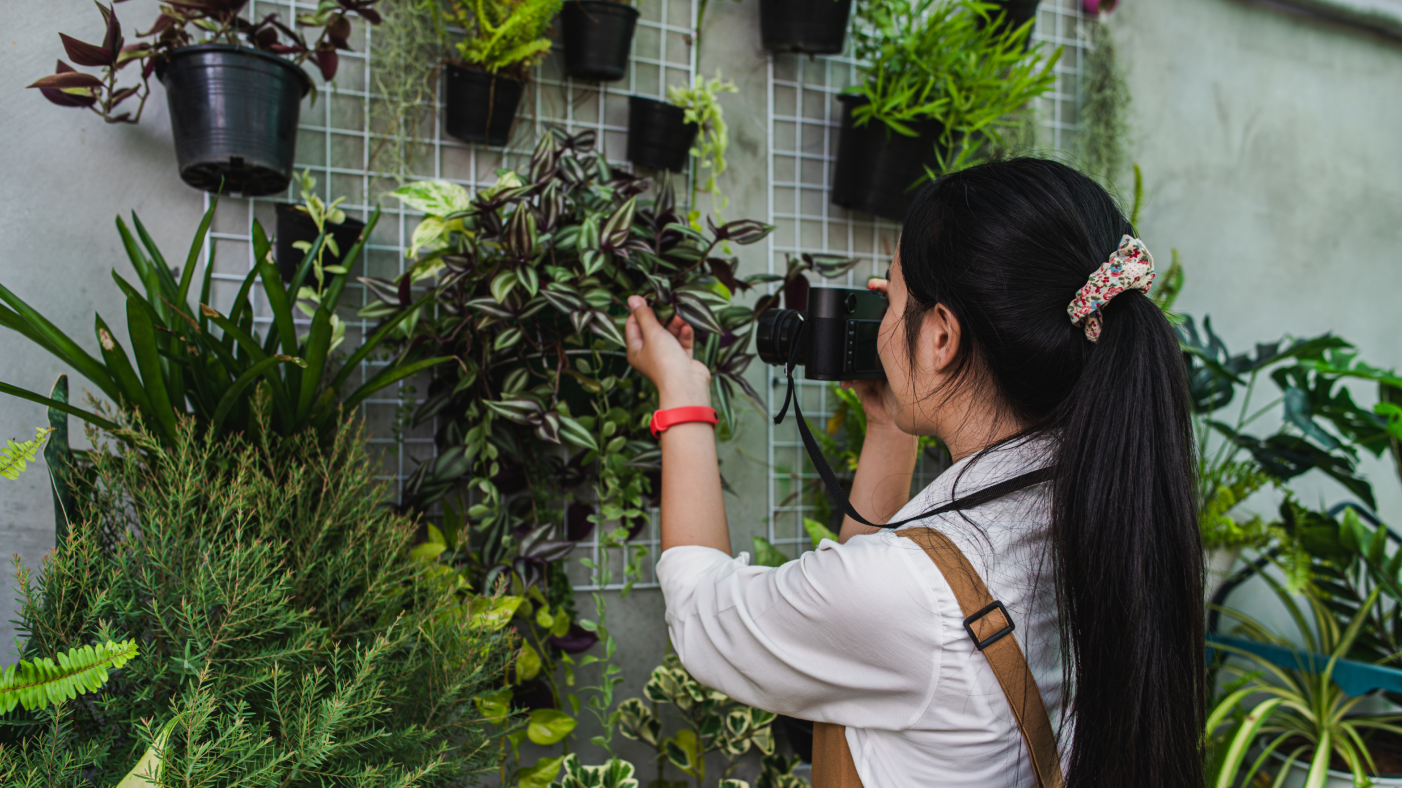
[{"x": 1304, "y": 714}]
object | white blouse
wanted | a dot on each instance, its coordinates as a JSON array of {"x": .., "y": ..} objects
[{"x": 868, "y": 634}]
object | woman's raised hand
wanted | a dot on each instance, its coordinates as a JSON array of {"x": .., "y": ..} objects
[{"x": 663, "y": 355}]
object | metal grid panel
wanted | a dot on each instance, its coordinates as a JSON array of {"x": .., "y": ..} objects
[
  {"x": 804, "y": 120},
  {"x": 336, "y": 143}
]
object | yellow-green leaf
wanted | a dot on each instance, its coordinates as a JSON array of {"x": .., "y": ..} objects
[{"x": 548, "y": 726}]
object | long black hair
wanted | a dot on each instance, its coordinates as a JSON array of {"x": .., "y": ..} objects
[{"x": 1004, "y": 247}]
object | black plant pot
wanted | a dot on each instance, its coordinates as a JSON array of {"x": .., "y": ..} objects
[
  {"x": 877, "y": 169},
  {"x": 480, "y": 107},
  {"x": 813, "y": 27},
  {"x": 233, "y": 113},
  {"x": 294, "y": 226},
  {"x": 1015, "y": 12},
  {"x": 598, "y": 35},
  {"x": 658, "y": 134}
]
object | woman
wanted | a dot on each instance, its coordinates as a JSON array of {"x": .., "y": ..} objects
[{"x": 1099, "y": 568}]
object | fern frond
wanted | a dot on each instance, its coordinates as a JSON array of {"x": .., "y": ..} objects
[
  {"x": 16, "y": 457},
  {"x": 36, "y": 684}
]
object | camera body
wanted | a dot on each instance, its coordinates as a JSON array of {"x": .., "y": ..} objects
[{"x": 836, "y": 338}]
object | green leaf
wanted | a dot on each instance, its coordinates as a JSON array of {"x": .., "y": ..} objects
[
  {"x": 91, "y": 418},
  {"x": 187, "y": 273},
  {"x": 318, "y": 348},
  {"x": 143, "y": 345},
  {"x": 817, "y": 531},
  {"x": 767, "y": 554},
  {"x": 232, "y": 395},
  {"x": 575, "y": 433},
  {"x": 541, "y": 774},
  {"x": 435, "y": 198},
  {"x": 147, "y": 771},
  {"x": 681, "y": 750},
  {"x": 548, "y": 726},
  {"x": 15, "y": 457},
  {"x": 82, "y": 669},
  {"x": 528, "y": 663},
  {"x": 56, "y": 342}
]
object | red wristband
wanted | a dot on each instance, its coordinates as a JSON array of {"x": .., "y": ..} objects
[{"x": 662, "y": 419}]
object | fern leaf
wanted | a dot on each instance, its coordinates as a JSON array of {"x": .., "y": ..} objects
[
  {"x": 16, "y": 457},
  {"x": 79, "y": 670}
]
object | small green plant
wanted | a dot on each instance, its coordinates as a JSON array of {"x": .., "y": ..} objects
[
  {"x": 505, "y": 36},
  {"x": 702, "y": 104},
  {"x": 710, "y": 722},
  {"x": 203, "y": 364},
  {"x": 946, "y": 61},
  {"x": 309, "y": 298},
  {"x": 15, "y": 457},
  {"x": 36, "y": 683}
]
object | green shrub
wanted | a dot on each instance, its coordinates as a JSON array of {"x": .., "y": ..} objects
[{"x": 284, "y": 634}]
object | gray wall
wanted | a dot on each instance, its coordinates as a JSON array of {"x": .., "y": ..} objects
[{"x": 1269, "y": 142}]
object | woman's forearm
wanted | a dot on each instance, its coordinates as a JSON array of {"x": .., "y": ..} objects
[
  {"x": 693, "y": 506},
  {"x": 882, "y": 484}
]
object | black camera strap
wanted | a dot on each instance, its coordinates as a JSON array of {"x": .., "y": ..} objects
[{"x": 834, "y": 487}]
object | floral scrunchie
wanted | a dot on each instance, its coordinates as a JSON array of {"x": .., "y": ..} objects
[{"x": 1130, "y": 267}]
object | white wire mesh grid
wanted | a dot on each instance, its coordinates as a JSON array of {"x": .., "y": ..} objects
[
  {"x": 337, "y": 143},
  {"x": 804, "y": 119}
]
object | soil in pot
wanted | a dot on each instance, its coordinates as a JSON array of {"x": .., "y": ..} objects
[
  {"x": 598, "y": 35},
  {"x": 294, "y": 226},
  {"x": 233, "y": 113},
  {"x": 877, "y": 169},
  {"x": 478, "y": 106},
  {"x": 658, "y": 134},
  {"x": 813, "y": 27}
]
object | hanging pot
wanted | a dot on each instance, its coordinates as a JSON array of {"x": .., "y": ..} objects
[
  {"x": 658, "y": 134},
  {"x": 876, "y": 168},
  {"x": 598, "y": 35},
  {"x": 480, "y": 107},
  {"x": 1015, "y": 12},
  {"x": 813, "y": 27},
  {"x": 233, "y": 113},
  {"x": 294, "y": 226}
]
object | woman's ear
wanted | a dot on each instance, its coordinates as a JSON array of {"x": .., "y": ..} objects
[{"x": 939, "y": 338}]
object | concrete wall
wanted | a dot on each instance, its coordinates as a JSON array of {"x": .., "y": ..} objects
[{"x": 1269, "y": 142}]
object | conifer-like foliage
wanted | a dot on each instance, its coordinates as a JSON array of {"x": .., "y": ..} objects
[
  {"x": 35, "y": 684},
  {"x": 281, "y": 625}
]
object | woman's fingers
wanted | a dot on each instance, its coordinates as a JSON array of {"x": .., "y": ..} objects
[
  {"x": 879, "y": 285},
  {"x": 633, "y": 335}
]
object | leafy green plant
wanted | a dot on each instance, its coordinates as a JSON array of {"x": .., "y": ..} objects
[
  {"x": 182, "y": 24},
  {"x": 1304, "y": 714},
  {"x": 281, "y": 642},
  {"x": 505, "y": 36},
  {"x": 15, "y": 457},
  {"x": 946, "y": 61},
  {"x": 1104, "y": 108},
  {"x": 702, "y": 104},
  {"x": 210, "y": 366},
  {"x": 710, "y": 722},
  {"x": 34, "y": 684}
]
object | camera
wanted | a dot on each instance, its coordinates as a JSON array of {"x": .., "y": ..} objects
[{"x": 834, "y": 340}]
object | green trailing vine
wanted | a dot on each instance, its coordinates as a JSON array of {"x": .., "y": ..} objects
[
  {"x": 38, "y": 683},
  {"x": 409, "y": 47},
  {"x": 702, "y": 104},
  {"x": 15, "y": 457}
]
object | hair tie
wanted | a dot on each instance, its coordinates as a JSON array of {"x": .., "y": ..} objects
[{"x": 1130, "y": 267}]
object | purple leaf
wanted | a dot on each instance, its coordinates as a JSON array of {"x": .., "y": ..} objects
[
  {"x": 85, "y": 54},
  {"x": 577, "y": 640}
]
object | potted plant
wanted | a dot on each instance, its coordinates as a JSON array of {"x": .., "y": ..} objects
[
  {"x": 234, "y": 86},
  {"x": 661, "y": 133},
  {"x": 598, "y": 35},
  {"x": 299, "y": 225},
  {"x": 804, "y": 26},
  {"x": 938, "y": 89},
  {"x": 504, "y": 38}
]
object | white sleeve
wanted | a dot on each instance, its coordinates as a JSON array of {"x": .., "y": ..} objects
[{"x": 850, "y": 634}]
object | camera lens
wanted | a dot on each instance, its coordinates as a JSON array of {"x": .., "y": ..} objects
[{"x": 775, "y": 334}]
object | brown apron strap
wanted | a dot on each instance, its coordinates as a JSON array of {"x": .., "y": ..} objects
[{"x": 988, "y": 623}]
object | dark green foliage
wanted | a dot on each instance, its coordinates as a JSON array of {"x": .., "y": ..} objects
[
  {"x": 198, "y": 362},
  {"x": 279, "y": 620}
]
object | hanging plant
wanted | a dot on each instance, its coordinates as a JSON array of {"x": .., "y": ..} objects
[
  {"x": 234, "y": 86},
  {"x": 504, "y": 39}
]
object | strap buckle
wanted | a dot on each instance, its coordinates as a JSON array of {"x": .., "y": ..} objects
[{"x": 996, "y": 636}]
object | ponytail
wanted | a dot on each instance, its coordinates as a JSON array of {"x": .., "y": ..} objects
[{"x": 1005, "y": 247}]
